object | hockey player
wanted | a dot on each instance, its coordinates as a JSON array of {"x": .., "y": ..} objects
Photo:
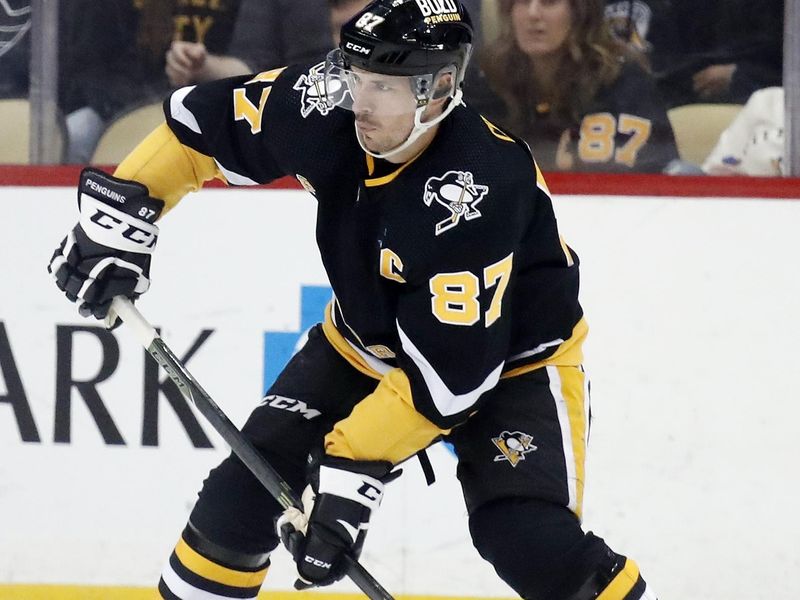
[{"x": 455, "y": 312}]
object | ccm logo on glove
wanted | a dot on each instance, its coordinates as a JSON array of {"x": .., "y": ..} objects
[
  {"x": 370, "y": 492},
  {"x": 106, "y": 225},
  {"x": 317, "y": 563}
]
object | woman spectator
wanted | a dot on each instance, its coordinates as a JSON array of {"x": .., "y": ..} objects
[{"x": 582, "y": 100}]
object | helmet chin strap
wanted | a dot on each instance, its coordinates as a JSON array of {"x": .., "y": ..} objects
[{"x": 417, "y": 131}]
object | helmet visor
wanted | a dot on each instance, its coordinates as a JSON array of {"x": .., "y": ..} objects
[{"x": 376, "y": 94}]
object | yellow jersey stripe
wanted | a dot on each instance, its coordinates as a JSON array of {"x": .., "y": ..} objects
[
  {"x": 210, "y": 570},
  {"x": 573, "y": 391},
  {"x": 391, "y": 176},
  {"x": 342, "y": 346},
  {"x": 370, "y": 163},
  {"x": 569, "y": 353},
  {"x": 266, "y": 76},
  {"x": 540, "y": 182},
  {"x": 496, "y": 131},
  {"x": 622, "y": 583},
  {"x": 567, "y": 253}
]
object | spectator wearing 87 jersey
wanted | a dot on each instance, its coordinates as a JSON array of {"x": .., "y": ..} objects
[
  {"x": 108, "y": 252},
  {"x": 582, "y": 99},
  {"x": 455, "y": 315}
]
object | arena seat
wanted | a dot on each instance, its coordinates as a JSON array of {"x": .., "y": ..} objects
[
  {"x": 697, "y": 128},
  {"x": 124, "y": 133},
  {"x": 15, "y": 131},
  {"x": 490, "y": 24}
]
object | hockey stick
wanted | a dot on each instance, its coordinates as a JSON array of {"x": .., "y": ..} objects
[{"x": 240, "y": 445}]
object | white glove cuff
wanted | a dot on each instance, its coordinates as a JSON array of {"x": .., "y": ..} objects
[{"x": 357, "y": 487}]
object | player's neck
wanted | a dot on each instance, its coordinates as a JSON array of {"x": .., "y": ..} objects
[{"x": 414, "y": 149}]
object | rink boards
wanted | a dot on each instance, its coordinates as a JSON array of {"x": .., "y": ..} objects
[{"x": 692, "y": 304}]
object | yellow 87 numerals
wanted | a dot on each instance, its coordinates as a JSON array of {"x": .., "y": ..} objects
[{"x": 454, "y": 296}]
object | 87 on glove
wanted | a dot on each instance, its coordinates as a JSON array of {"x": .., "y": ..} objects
[
  {"x": 108, "y": 252},
  {"x": 338, "y": 503}
]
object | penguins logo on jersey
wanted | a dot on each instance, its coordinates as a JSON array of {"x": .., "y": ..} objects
[
  {"x": 513, "y": 446},
  {"x": 312, "y": 87},
  {"x": 458, "y": 193}
]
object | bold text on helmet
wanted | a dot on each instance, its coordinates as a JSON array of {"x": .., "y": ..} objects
[{"x": 437, "y": 7}]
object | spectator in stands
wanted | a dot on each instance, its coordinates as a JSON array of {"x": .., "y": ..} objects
[
  {"x": 648, "y": 26},
  {"x": 269, "y": 34},
  {"x": 15, "y": 23},
  {"x": 724, "y": 50},
  {"x": 582, "y": 99},
  {"x": 753, "y": 144},
  {"x": 113, "y": 56}
]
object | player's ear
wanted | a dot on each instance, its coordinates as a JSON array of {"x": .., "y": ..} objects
[
  {"x": 443, "y": 86},
  {"x": 443, "y": 90}
]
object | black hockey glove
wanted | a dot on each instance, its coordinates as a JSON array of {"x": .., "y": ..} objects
[
  {"x": 108, "y": 252},
  {"x": 338, "y": 502}
]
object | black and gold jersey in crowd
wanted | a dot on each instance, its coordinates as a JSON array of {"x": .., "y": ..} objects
[
  {"x": 449, "y": 266},
  {"x": 625, "y": 129}
]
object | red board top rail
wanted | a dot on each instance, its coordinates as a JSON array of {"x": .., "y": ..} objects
[{"x": 560, "y": 183}]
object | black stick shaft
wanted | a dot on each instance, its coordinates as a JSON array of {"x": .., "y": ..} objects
[{"x": 240, "y": 445}]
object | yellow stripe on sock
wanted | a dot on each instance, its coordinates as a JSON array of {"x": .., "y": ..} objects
[
  {"x": 622, "y": 583},
  {"x": 211, "y": 570}
]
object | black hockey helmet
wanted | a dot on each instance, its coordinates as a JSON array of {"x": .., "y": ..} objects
[
  {"x": 427, "y": 43},
  {"x": 409, "y": 37}
]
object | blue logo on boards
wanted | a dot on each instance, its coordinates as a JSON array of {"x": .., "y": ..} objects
[{"x": 279, "y": 346}]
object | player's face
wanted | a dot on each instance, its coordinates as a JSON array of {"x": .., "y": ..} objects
[
  {"x": 384, "y": 108},
  {"x": 541, "y": 27}
]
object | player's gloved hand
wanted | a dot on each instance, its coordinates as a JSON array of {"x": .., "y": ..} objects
[
  {"x": 338, "y": 502},
  {"x": 108, "y": 252}
]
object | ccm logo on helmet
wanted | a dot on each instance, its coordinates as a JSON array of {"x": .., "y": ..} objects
[
  {"x": 358, "y": 48},
  {"x": 437, "y": 7}
]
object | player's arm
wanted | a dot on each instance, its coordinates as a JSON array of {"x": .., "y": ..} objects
[
  {"x": 168, "y": 169},
  {"x": 108, "y": 252}
]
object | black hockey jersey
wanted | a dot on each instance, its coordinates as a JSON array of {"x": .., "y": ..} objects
[{"x": 449, "y": 266}]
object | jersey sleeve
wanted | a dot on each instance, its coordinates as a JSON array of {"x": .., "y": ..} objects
[{"x": 252, "y": 126}]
